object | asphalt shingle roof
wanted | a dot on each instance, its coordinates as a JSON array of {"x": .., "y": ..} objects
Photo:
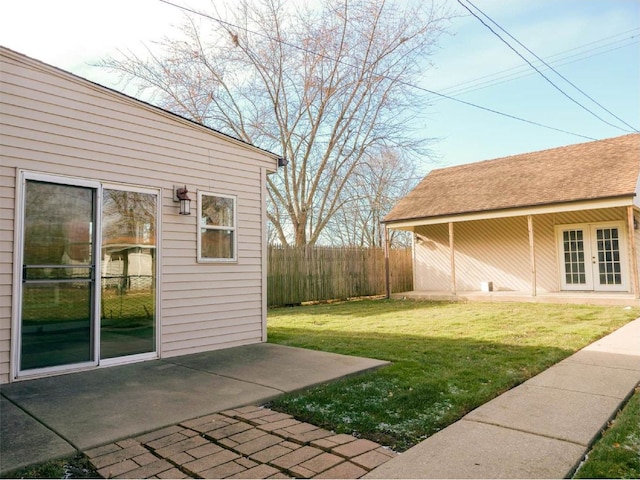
[{"x": 587, "y": 171}]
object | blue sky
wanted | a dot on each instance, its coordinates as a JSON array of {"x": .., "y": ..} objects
[{"x": 594, "y": 43}]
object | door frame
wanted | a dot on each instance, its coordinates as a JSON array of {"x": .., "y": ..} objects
[
  {"x": 16, "y": 344},
  {"x": 590, "y": 268},
  {"x": 22, "y": 177},
  {"x": 138, "y": 357}
]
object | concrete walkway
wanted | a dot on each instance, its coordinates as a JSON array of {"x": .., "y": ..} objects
[
  {"x": 540, "y": 429},
  {"x": 57, "y": 416}
]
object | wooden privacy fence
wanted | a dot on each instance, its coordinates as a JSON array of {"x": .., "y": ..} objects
[{"x": 303, "y": 274}]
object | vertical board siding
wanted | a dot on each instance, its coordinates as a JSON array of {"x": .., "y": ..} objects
[
  {"x": 53, "y": 122},
  {"x": 497, "y": 250}
]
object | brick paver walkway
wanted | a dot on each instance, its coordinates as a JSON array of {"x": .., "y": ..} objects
[{"x": 249, "y": 442}]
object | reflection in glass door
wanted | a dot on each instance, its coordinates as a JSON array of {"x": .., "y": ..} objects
[
  {"x": 128, "y": 272},
  {"x": 58, "y": 264}
]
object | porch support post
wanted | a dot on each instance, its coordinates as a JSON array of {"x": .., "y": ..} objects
[
  {"x": 532, "y": 255},
  {"x": 633, "y": 249},
  {"x": 387, "y": 273},
  {"x": 453, "y": 259}
]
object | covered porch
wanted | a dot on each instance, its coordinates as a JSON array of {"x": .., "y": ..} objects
[{"x": 581, "y": 253}]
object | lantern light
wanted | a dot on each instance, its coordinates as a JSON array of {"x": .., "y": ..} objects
[{"x": 182, "y": 195}]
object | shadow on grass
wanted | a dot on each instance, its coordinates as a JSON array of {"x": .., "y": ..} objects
[{"x": 431, "y": 383}]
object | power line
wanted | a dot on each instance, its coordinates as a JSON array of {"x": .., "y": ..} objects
[
  {"x": 553, "y": 69},
  {"x": 432, "y": 92},
  {"x": 579, "y": 47},
  {"x": 494, "y": 79},
  {"x": 536, "y": 69}
]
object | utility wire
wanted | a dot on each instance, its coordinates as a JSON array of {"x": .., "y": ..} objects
[
  {"x": 493, "y": 79},
  {"x": 538, "y": 70},
  {"x": 565, "y": 57},
  {"x": 553, "y": 69},
  {"x": 515, "y": 76},
  {"x": 311, "y": 52}
]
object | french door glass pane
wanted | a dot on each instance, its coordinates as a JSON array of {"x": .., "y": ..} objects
[
  {"x": 609, "y": 268},
  {"x": 57, "y": 285},
  {"x": 128, "y": 275},
  {"x": 574, "y": 266}
]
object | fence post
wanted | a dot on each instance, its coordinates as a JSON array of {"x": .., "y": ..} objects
[{"x": 387, "y": 280}]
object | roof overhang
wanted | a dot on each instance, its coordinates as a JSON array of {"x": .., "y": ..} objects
[{"x": 620, "y": 201}]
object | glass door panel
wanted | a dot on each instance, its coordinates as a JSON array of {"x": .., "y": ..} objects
[
  {"x": 57, "y": 276},
  {"x": 575, "y": 261},
  {"x": 607, "y": 258},
  {"x": 574, "y": 265},
  {"x": 128, "y": 273}
]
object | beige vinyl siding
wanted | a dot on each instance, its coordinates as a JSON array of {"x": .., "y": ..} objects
[
  {"x": 7, "y": 204},
  {"x": 56, "y": 123},
  {"x": 497, "y": 250}
]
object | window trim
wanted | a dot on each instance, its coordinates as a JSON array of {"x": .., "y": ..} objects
[{"x": 233, "y": 228}]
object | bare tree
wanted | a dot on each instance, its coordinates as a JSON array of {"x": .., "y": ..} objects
[
  {"x": 374, "y": 188},
  {"x": 325, "y": 85}
]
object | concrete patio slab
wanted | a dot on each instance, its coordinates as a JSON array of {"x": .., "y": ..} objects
[
  {"x": 566, "y": 415},
  {"x": 287, "y": 368},
  {"x": 22, "y": 432},
  {"x": 475, "y": 450},
  {"x": 96, "y": 407},
  {"x": 101, "y": 406},
  {"x": 594, "y": 379}
]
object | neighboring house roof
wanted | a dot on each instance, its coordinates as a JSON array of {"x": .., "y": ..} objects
[{"x": 587, "y": 171}]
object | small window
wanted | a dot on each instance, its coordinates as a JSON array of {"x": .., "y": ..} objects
[{"x": 217, "y": 228}]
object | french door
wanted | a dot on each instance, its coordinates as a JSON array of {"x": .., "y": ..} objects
[
  {"x": 593, "y": 257},
  {"x": 87, "y": 289}
]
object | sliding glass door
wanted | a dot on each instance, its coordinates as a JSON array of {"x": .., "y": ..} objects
[{"x": 88, "y": 274}]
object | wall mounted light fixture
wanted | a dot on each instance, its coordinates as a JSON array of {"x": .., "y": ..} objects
[{"x": 181, "y": 194}]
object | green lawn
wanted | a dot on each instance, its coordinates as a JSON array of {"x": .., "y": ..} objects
[{"x": 447, "y": 358}]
